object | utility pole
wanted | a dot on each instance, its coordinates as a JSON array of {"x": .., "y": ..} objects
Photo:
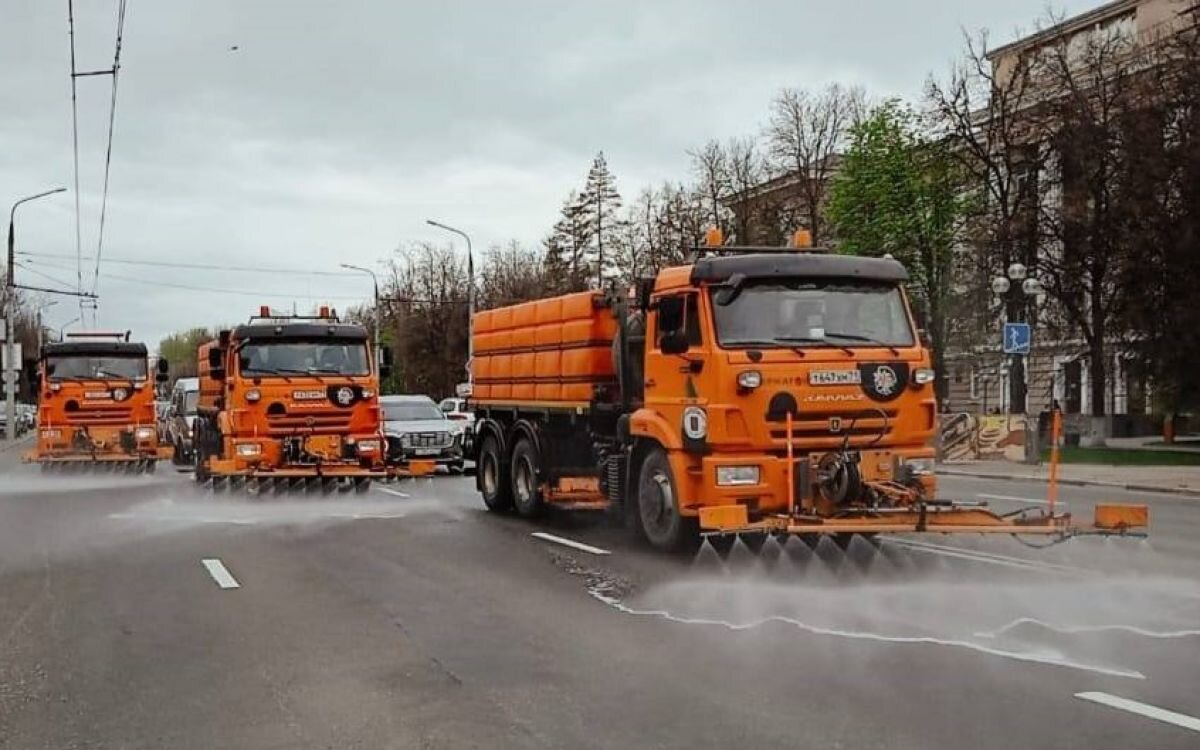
[
  {"x": 470, "y": 293},
  {"x": 10, "y": 328}
]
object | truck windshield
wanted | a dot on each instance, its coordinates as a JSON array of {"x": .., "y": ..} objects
[
  {"x": 812, "y": 312},
  {"x": 96, "y": 368},
  {"x": 190, "y": 400},
  {"x": 305, "y": 358}
]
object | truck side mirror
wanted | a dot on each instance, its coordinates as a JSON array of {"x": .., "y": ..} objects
[
  {"x": 673, "y": 342},
  {"x": 671, "y": 337},
  {"x": 385, "y": 361},
  {"x": 670, "y": 314},
  {"x": 164, "y": 369},
  {"x": 216, "y": 363}
]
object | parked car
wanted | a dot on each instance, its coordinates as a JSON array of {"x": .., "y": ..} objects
[
  {"x": 456, "y": 410},
  {"x": 28, "y": 415},
  {"x": 181, "y": 417},
  {"x": 416, "y": 428}
]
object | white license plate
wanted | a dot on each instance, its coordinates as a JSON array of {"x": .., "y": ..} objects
[
  {"x": 428, "y": 451},
  {"x": 834, "y": 377}
]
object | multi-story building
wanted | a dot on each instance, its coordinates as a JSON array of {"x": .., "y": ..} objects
[{"x": 1058, "y": 367}]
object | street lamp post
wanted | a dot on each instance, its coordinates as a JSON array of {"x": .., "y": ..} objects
[
  {"x": 10, "y": 310},
  {"x": 62, "y": 330},
  {"x": 378, "y": 315},
  {"x": 41, "y": 307},
  {"x": 1013, "y": 288},
  {"x": 470, "y": 292}
]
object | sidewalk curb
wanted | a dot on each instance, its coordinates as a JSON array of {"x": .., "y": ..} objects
[
  {"x": 1183, "y": 491},
  {"x": 22, "y": 442}
]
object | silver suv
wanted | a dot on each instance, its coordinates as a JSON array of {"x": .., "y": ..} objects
[
  {"x": 416, "y": 428},
  {"x": 181, "y": 417}
]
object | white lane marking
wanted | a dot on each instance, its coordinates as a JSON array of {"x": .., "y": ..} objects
[
  {"x": 390, "y": 491},
  {"x": 1038, "y": 501},
  {"x": 220, "y": 573},
  {"x": 570, "y": 543},
  {"x": 1143, "y": 709},
  {"x": 986, "y": 557}
]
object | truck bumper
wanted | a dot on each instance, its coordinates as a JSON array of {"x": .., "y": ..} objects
[{"x": 770, "y": 493}]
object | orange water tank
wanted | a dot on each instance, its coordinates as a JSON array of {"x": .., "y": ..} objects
[{"x": 555, "y": 350}]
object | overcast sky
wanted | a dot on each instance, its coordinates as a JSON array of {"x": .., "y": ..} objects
[{"x": 336, "y": 128}]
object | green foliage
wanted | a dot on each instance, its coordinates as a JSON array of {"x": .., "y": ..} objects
[
  {"x": 899, "y": 192},
  {"x": 179, "y": 349}
]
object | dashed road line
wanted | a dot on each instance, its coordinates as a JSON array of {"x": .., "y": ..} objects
[
  {"x": 1142, "y": 709},
  {"x": 220, "y": 573},
  {"x": 570, "y": 543},
  {"x": 394, "y": 493}
]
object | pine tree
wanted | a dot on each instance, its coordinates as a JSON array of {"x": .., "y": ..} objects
[
  {"x": 600, "y": 203},
  {"x": 567, "y": 261}
]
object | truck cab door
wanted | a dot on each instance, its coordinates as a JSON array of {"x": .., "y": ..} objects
[{"x": 674, "y": 353}]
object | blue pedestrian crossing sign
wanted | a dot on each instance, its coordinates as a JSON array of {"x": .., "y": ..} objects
[{"x": 1017, "y": 338}]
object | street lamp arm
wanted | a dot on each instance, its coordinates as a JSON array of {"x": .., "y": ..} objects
[{"x": 12, "y": 212}]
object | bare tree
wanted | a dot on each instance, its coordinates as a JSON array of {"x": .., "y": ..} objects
[
  {"x": 1090, "y": 101},
  {"x": 425, "y": 309},
  {"x": 806, "y": 132},
  {"x": 988, "y": 116},
  {"x": 710, "y": 164},
  {"x": 746, "y": 170}
]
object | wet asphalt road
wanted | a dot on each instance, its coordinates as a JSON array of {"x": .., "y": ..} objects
[{"x": 411, "y": 618}]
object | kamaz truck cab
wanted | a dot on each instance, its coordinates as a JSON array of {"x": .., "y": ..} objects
[
  {"x": 96, "y": 404},
  {"x": 290, "y": 401}
]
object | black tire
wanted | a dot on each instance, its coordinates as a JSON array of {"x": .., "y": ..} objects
[
  {"x": 493, "y": 477},
  {"x": 523, "y": 472},
  {"x": 658, "y": 505}
]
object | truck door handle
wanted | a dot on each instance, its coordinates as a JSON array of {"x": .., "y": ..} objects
[{"x": 650, "y": 383}]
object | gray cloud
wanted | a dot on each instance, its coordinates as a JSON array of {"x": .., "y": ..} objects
[{"x": 336, "y": 128}]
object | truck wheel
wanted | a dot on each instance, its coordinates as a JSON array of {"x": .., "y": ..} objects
[
  {"x": 493, "y": 480},
  {"x": 526, "y": 494},
  {"x": 658, "y": 505}
]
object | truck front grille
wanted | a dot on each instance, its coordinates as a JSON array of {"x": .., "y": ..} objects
[{"x": 309, "y": 422}]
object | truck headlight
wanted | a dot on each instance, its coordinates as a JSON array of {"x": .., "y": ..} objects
[
  {"x": 253, "y": 395},
  {"x": 695, "y": 423},
  {"x": 406, "y": 440},
  {"x": 249, "y": 450},
  {"x": 368, "y": 446},
  {"x": 749, "y": 379},
  {"x": 918, "y": 466},
  {"x": 143, "y": 433},
  {"x": 923, "y": 375},
  {"x": 734, "y": 476}
]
